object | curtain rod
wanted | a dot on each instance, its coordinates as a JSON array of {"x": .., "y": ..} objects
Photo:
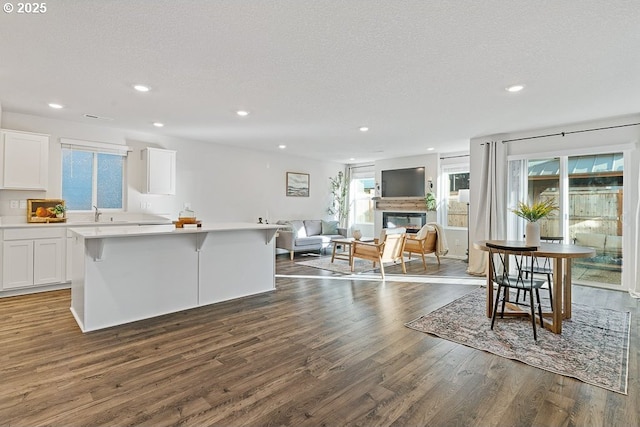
[
  {"x": 569, "y": 133},
  {"x": 455, "y": 157}
]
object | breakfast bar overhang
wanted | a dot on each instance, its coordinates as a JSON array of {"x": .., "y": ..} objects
[{"x": 123, "y": 274}]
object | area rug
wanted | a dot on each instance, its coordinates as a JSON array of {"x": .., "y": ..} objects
[
  {"x": 593, "y": 346},
  {"x": 342, "y": 266}
]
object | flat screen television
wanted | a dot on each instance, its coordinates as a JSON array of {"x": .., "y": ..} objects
[{"x": 403, "y": 182}]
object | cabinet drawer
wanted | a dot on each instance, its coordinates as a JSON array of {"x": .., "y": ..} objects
[{"x": 33, "y": 233}]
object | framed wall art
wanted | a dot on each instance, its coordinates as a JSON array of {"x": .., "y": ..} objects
[
  {"x": 46, "y": 210},
  {"x": 297, "y": 184}
]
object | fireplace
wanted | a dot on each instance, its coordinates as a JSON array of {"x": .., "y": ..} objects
[{"x": 412, "y": 221}]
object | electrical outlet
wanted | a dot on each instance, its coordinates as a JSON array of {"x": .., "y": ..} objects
[
  {"x": 14, "y": 204},
  {"x": 23, "y": 204}
]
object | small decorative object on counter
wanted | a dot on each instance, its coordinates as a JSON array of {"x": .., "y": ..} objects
[
  {"x": 59, "y": 210},
  {"x": 187, "y": 216},
  {"x": 260, "y": 220},
  {"x": 357, "y": 234},
  {"x": 45, "y": 210}
]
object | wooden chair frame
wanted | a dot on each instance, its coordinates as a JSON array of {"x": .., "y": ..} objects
[
  {"x": 389, "y": 247},
  {"x": 423, "y": 245}
]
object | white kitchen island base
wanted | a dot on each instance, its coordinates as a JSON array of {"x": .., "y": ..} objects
[{"x": 125, "y": 274}]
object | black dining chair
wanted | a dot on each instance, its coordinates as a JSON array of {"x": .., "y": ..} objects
[
  {"x": 544, "y": 266},
  {"x": 512, "y": 276}
]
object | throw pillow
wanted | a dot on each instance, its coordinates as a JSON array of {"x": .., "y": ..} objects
[
  {"x": 330, "y": 227},
  {"x": 298, "y": 228}
]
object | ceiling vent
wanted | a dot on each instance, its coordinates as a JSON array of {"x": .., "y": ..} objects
[{"x": 93, "y": 116}]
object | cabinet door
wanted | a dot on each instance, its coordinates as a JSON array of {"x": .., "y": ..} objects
[
  {"x": 160, "y": 171},
  {"x": 25, "y": 160},
  {"x": 17, "y": 264},
  {"x": 47, "y": 261}
]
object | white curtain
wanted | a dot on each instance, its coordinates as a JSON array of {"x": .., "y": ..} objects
[
  {"x": 490, "y": 204},
  {"x": 634, "y": 289}
]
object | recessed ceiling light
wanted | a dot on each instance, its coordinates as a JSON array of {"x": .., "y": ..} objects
[
  {"x": 351, "y": 159},
  {"x": 56, "y": 106},
  {"x": 141, "y": 88},
  {"x": 430, "y": 149},
  {"x": 242, "y": 113},
  {"x": 515, "y": 88},
  {"x": 158, "y": 124},
  {"x": 282, "y": 146},
  {"x": 363, "y": 129}
]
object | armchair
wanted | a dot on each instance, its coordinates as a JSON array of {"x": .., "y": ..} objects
[
  {"x": 388, "y": 248},
  {"x": 424, "y": 242}
]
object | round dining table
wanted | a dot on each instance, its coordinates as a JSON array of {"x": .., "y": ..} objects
[{"x": 562, "y": 255}]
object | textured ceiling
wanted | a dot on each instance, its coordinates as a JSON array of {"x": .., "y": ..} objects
[{"x": 420, "y": 74}]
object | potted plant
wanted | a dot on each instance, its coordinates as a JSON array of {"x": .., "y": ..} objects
[
  {"x": 340, "y": 204},
  {"x": 533, "y": 213},
  {"x": 59, "y": 210},
  {"x": 430, "y": 201}
]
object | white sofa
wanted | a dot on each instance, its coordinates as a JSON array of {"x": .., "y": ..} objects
[{"x": 308, "y": 235}]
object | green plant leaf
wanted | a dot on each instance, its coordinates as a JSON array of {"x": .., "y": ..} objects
[{"x": 537, "y": 211}]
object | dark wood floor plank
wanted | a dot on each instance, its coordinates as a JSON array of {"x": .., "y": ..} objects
[{"x": 317, "y": 351}]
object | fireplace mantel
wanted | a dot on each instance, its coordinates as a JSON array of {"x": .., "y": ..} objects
[{"x": 401, "y": 204}]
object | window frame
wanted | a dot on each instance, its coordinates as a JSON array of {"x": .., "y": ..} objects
[
  {"x": 96, "y": 148},
  {"x": 446, "y": 170}
]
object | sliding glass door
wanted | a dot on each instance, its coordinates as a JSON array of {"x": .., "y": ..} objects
[
  {"x": 595, "y": 216},
  {"x": 589, "y": 191}
]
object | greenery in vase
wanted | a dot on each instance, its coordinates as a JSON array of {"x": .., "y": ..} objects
[
  {"x": 538, "y": 210},
  {"x": 59, "y": 209},
  {"x": 339, "y": 191},
  {"x": 430, "y": 200}
]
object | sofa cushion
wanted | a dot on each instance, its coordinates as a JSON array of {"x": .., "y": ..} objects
[
  {"x": 330, "y": 227},
  {"x": 298, "y": 228},
  {"x": 310, "y": 241},
  {"x": 313, "y": 227}
]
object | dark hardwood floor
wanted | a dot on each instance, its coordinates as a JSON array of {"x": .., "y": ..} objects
[{"x": 317, "y": 351}]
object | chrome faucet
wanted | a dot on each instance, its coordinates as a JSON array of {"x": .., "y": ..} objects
[{"x": 96, "y": 216}]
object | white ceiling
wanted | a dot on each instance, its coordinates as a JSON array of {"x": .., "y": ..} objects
[{"x": 419, "y": 73}]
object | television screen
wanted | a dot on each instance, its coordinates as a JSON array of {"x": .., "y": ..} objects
[{"x": 403, "y": 182}]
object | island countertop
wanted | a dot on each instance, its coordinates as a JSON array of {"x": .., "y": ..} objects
[
  {"x": 99, "y": 232},
  {"x": 123, "y": 274}
]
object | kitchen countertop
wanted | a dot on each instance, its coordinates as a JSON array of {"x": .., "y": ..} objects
[
  {"x": 98, "y": 232},
  {"x": 86, "y": 223}
]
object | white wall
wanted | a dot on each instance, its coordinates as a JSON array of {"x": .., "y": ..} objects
[
  {"x": 607, "y": 139},
  {"x": 222, "y": 183}
]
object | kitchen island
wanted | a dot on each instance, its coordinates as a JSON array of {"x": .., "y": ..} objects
[{"x": 123, "y": 274}]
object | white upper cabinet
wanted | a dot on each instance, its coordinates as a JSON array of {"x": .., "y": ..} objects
[
  {"x": 24, "y": 159},
  {"x": 159, "y": 171}
]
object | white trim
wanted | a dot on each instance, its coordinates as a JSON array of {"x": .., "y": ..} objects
[
  {"x": 574, "y": 152},
  {"x": 103, "y": 147}
]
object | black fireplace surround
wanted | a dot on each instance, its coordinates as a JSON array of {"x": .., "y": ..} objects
[{"x": 412, "y": 221}]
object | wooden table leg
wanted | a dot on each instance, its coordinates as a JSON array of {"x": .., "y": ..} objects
[
  {"x": 333, "y": 254},
  {"x": 490, "y": 289},
  {"x": 558, "y": 288},
  {"x": 567, "y": 289}
]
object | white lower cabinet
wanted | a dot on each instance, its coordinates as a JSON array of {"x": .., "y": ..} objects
[
  {"x": 17, "y": 264},
  {"x": 31, "y": 258}
]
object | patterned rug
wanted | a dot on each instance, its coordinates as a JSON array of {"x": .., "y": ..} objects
[
  {"x": 593, "y": 346},
  {"x": 342, "y": 266}
]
